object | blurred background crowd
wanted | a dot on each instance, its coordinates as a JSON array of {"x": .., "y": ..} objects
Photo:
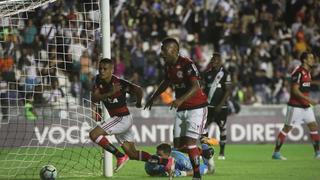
[{"x": 260, "y": 42}]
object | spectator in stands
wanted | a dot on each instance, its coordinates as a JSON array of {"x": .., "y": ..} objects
[
  {"x": 4, "y": 98},
  {"x": 56, "y": 95},
  {"x": 29, "y": 33}
]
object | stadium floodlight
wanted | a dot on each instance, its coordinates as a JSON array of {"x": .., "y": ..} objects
[{"x": 59, "y": 136}]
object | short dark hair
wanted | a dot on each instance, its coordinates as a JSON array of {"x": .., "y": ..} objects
[
  {"x": 106, "y": 61},
  {"x": 165, "y": 147},
  {"x": 170, "y": 40},
  {"x": 216, "y": 55},
  {"x": 304, "y": 56}
]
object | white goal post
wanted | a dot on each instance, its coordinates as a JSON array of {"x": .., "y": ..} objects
[
  {"x": 106, "y": 53},
  {"x": 10, "y": 13}
]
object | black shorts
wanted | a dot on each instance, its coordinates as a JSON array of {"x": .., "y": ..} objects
[{"x": 216, "y": 117}]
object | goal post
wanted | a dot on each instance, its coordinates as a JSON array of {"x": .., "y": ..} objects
[
  {"x": 59, "y": 134},
  {"x": 106, "y": 53}
]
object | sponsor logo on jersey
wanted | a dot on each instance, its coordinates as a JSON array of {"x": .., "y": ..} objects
[
  {"x": 179, "y": 74},
  {"x": 306, "y": 84}
]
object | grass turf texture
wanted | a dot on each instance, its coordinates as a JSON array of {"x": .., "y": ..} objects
[{"x": 242, "y": 162}]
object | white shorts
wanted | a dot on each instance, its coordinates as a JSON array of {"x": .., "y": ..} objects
[
  {"x": 120, "y": 127},
  {"x": 298, "y": 115},
  {"x": 190, "y": 123}
]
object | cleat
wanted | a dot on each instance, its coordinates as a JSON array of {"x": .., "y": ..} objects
[
  {"x": 170, "y": 167},
  {"x": 121, "y": 162},
  {"x": 208, "y": 157},
  {"x": 221, "y": 157},
  {"x": 210, "y": 164},
  {"x": 317, "y": 155},
  {"x": 210, "y": 141},
  {"x": 277, "y": 156}
]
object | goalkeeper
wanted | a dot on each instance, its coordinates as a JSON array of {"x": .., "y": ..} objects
[{"x": 183, "y": 165}]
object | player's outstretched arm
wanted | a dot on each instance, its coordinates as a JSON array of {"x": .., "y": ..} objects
[{"x": 162, "y": 87}]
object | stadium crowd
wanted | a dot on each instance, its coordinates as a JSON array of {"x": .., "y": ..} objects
[{"x": 259, "y": 40}]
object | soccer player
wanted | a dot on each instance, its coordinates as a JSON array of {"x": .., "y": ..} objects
[
  {"x": 218, "y": 86},
  {"x": 183, "y": 165},
  {"x": 191, "y": 102},
  {"x": 299, "y": 109},
  {"x": 112, "y": 90}
]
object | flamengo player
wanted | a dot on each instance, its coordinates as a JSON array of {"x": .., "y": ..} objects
[
  {"x": 112, "y": 90},
  {"x": 191, "y": 102},
  {"x": 299, "y": 108}
]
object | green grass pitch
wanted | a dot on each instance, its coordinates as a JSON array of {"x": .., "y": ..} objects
[{"x": 242, "y": 162}]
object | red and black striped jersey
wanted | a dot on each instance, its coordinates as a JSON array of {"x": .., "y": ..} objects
[
  {"x": 302, "y": 77},
  {"x": 180, "y": 76},
  {"x": 116, "y": 104}
]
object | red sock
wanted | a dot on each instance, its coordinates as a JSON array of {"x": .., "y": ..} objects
[
  {"x": 194, "y": 156},
  {"x": 280, "y": 140},
  {"x": 105, "y": 144},
  {"x": 315, "y": 140},
  {"x": 144, "y": 156}
]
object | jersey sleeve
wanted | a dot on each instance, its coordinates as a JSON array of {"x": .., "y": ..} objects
[
  {"x": 296, "y": 77},
  {"x": 191, "y": 71},
  {"x": 227, "y": 80},
  {"x": 125, "y": 85}
]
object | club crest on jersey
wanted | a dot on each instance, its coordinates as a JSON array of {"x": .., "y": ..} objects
[{"x": 179, "y": 74}]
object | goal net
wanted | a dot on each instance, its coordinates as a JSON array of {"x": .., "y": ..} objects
[{"x": 47, "y": 59}]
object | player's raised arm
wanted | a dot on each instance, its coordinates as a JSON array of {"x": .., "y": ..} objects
[{"x": 162, "y": 87}]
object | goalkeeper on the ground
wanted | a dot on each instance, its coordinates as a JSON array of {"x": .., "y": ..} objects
[{"x": 183, "y": 165}]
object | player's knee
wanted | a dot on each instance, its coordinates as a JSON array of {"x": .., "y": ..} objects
[
  {"x": 223, "y": 133},
  {"x": 286, "y": 128},
  {"x": 93, "y": 135},
  {"x": 313, "y": 126}
]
